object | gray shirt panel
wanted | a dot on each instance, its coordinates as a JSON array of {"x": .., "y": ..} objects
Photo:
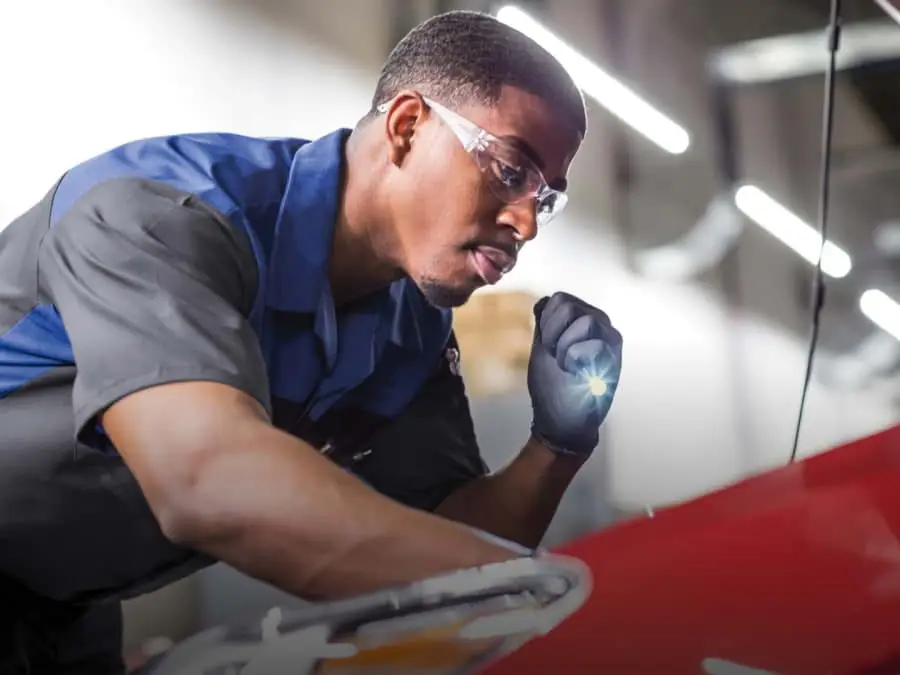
[{"x": 153, "y": 287}]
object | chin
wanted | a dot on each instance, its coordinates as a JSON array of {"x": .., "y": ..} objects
[{"x": 445, "y": 296}]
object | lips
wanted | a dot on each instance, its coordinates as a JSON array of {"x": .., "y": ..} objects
[{"x": 492, "y": 263}]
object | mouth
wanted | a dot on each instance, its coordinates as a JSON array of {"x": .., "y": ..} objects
[{"x": 492, "y": 263}]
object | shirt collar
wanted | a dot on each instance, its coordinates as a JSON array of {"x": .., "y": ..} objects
[
  {"x": 404, "y": 330},
  {"x": 304, "y": 231},
  {"x": 298, "y": 265}
]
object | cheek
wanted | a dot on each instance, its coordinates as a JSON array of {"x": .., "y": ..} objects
[
  {"x": 445, "y": 207},
  {"x": 449, "y": 211}
]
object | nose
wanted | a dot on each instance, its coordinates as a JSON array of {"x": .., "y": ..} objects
[{"x": 521, "y": 217}]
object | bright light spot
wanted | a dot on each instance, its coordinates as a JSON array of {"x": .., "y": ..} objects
[
  {"x": 606, "y": 90},
  {"x": 791, "y": 231},
  {"x": 881, "y": 310},
  {"x": 271, "y": 624},
  {"x": 597, "y": 385}
]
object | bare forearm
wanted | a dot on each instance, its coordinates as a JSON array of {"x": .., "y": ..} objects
[
  {"x": 295, "y": 520},
  {"x": 519, "y": 501}
]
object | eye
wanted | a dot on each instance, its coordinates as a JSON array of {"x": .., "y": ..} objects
[{"x": 512, "y": 177}]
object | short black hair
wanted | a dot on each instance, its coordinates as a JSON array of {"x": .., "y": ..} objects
[{"x": 465, "y": 56}]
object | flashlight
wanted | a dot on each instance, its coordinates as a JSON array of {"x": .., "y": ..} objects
[
  {"x": 597, "y": 385},
  {"x": 598, "y": 376}
]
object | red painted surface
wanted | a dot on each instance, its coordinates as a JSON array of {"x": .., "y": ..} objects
[{"x": 795, "y": 571}]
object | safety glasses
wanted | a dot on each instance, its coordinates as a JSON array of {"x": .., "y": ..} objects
[{"x": 510, "y": 174}]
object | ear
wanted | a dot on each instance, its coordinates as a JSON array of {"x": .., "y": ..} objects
[{"x": 402, "y": 119}]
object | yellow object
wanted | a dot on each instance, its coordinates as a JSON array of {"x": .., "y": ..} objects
[
  {"x": 432, "y": 651},
  {"x": 495, "y": 332}
]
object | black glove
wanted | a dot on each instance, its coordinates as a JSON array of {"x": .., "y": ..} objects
[{"x": 576, "y": 358}]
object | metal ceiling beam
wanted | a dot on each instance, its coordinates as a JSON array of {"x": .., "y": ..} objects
[
  {"x": 758, "y": 63},
  {"x": 787, "y": 57},
  {"x": 870, "y": 56}
]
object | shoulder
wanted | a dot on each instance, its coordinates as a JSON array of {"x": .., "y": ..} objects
[
  {"x": 228, "y": 170},
  {"x": 126, "y": 206},
  {"x": 241, "y": 154},
  {"x": 153, "y": 228},
  {"x": 208, "y": 148}
]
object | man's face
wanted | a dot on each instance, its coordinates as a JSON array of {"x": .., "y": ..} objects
[{"x": 454, "y": 222}]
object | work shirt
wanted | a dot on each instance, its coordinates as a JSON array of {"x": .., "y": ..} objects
[{"x": 200, "y": 257}]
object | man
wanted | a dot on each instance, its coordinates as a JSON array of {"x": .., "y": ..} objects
[{"x": 220, "y": 348}]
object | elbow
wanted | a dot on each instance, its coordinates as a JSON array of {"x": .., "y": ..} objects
[
  {"x": 207, "y": 504},
  {"x": 192, "y": 514},
  {"x": 180, "y": 528},
  {"x": 184, "y": 523}
]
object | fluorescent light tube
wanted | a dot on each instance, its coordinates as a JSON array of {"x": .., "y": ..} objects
[
  {"x": 881, "y": 310},
  {"x": 606, "y": 90},
  {"x": 791, "y": 230}
]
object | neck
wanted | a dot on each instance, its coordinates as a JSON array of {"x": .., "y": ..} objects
[{"x": 361, "y": 260}]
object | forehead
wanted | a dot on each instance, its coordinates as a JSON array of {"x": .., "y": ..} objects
[{"x": 538, "y": 123}]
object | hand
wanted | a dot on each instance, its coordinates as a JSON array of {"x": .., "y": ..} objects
[{"x": 576, "y": 358}]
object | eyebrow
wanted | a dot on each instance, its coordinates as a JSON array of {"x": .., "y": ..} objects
[{"x": 560, "y": 184}]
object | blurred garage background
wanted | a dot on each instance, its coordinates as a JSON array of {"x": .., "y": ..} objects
[{"x": 690, "y": 223}]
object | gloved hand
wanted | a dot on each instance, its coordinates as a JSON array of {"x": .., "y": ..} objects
[{"x": 573, "y": 342}]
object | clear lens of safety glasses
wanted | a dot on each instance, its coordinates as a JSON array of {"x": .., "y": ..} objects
[
  {"x": 549, "y": 205},
  {"x": 510, "y": 174},
  {"x": 513, "y": 178}
]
